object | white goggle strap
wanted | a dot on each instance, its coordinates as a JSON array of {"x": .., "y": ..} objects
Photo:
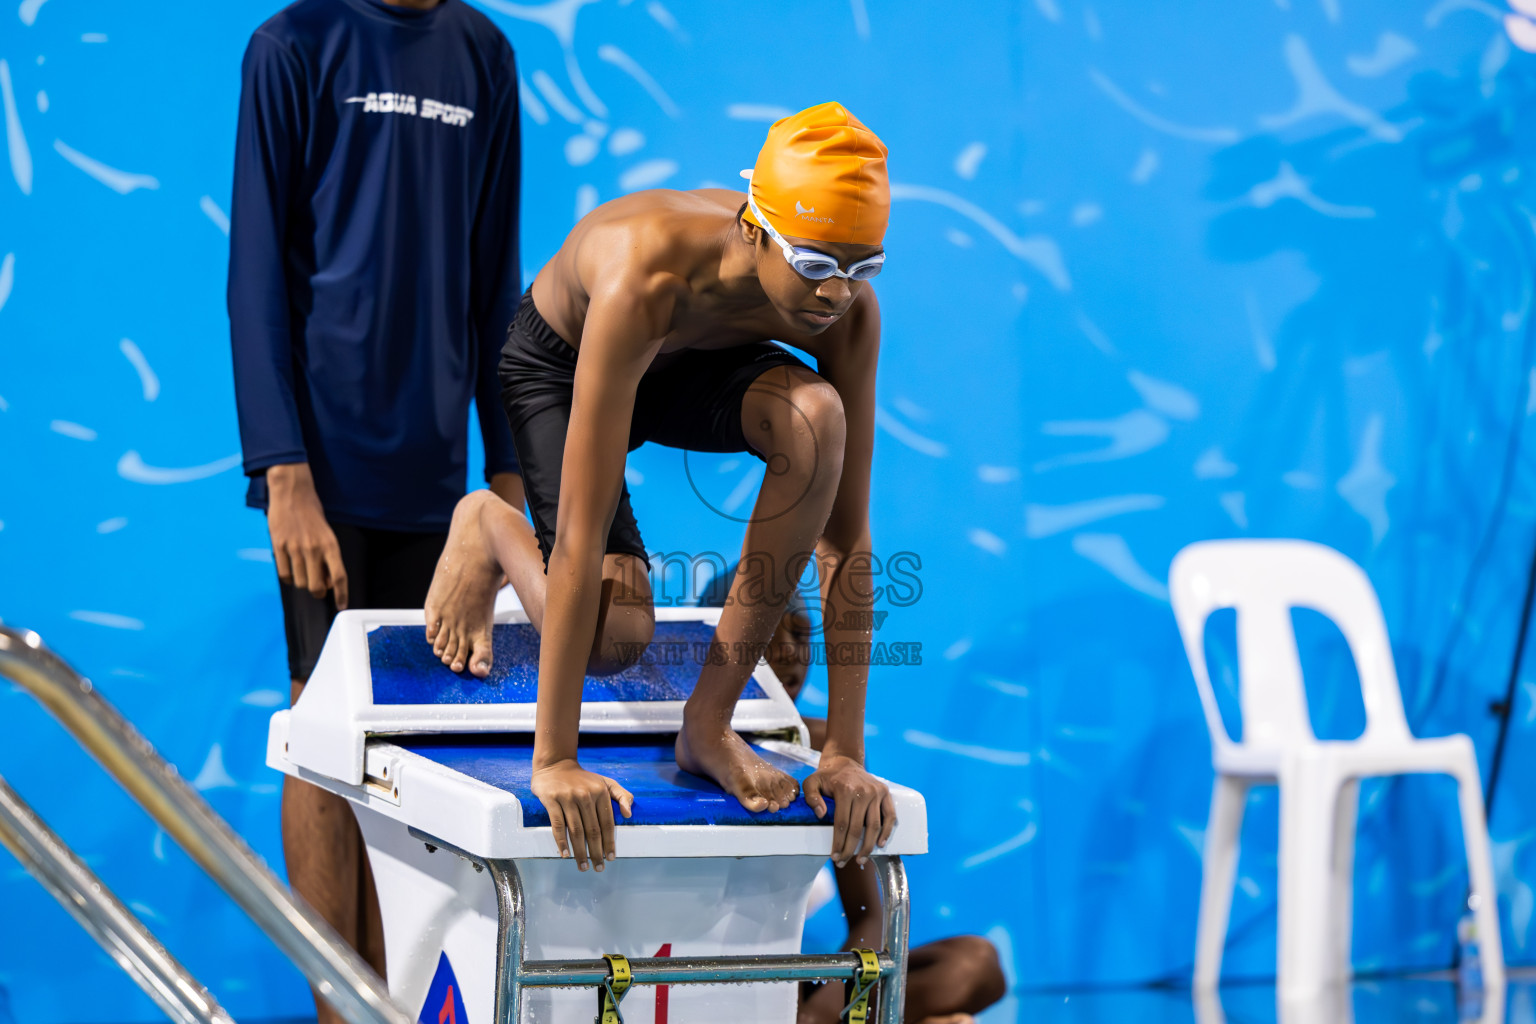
[{"x": 789, "y": 250}]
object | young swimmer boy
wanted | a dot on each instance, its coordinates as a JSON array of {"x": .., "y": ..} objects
[{"x": 655, "y": 322}]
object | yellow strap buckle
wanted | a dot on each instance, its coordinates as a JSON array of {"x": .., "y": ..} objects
[
  {"x": 614, "y": 987},
  {"x": 859, "y": 988}
]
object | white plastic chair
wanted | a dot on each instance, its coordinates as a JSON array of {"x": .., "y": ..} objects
[{"x": 1319, "y": 780}]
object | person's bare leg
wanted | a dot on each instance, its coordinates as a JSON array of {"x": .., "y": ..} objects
[
  {"x": 795, "y": 419},
  {"x": 487, "y": 539},
  {"x": 948, "y": 981},
  {"x": 370, "y": 924},
  {"x": 626, "y": 618},
  {"x": 322, "y": 849},
  {"x": 953, "y": 978}
]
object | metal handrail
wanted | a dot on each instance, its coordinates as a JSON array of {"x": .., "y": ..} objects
[
  {"x": 103, "y": 916},
  {"x": 340, "y": 976}
]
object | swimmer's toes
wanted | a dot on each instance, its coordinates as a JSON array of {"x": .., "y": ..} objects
[
  {"x": 781, "y": 789},
  {"x": 769, "y": 792},
  {"x": 480, "y": 655}
]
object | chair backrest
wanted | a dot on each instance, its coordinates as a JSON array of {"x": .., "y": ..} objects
[{"x": 1263, "y": 580}]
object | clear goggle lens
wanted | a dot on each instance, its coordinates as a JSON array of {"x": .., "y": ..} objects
[{"x": 819, "y": 267}]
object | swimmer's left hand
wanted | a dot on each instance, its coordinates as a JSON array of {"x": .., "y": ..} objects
[{"x": 863, "y": 812}]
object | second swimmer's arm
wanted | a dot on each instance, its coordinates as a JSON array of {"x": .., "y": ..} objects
[{"x": 621, "y": 335}]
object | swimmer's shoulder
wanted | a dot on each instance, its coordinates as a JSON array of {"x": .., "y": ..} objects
[
  {"x": 658, "y": 231},
  {"x": 665, "y": 212}
]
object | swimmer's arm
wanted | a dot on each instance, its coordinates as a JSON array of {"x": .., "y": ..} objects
[
  {"x": 623, "y": 331},
  {"x": 864, "y": 813},
  {"x": 844, "y": 550}
]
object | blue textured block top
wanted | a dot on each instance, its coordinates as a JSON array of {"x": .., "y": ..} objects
[
  {"x": 644, "y": 765},
  {"x": 405, "y": 671}
]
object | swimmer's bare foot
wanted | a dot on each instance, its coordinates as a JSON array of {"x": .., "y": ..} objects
[
  {"x": 716, "y": 752},
  {"x": 462, "y": 598}
]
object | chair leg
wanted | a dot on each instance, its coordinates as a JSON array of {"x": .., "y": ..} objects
[
  {"x": 1332, "y": 1005},
  {"x": 1308, "y": 793},
  {"x": 1346, "y": 817},
  {"x": 1485, "y": 894},
  {"x": 1228, "y": 800},
  {"x": 1208, "y": 1009}
]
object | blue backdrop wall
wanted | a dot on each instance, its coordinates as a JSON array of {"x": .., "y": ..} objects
[{"x": 1158, "y": 273}]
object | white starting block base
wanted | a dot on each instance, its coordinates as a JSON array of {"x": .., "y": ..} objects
[
  {"x": 473, "y": 897},
  {"x": 438, "y": 903}
]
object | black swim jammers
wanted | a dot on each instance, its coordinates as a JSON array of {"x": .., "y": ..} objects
[{"x": 693, "y": 402}]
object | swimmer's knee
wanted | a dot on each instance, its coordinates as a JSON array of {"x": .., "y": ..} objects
[
  {"x": 800, "y": 429},
  {"x": 821, "y": 407},
  {"x": 819, "y": 441}
]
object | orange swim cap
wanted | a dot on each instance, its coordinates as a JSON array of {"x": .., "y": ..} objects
[{"x": 821, "y": 175}]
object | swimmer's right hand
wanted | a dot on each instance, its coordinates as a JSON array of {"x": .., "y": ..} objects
[{"x": 580, "y": 806}]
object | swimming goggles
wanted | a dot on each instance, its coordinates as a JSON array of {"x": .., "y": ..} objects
[{"x": 817, "y": 266}]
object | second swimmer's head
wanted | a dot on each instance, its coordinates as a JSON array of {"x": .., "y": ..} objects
[{"x": 818, "y": 202}]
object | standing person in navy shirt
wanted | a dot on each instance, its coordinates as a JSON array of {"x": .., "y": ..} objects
[{"x": 374, "y": 270}]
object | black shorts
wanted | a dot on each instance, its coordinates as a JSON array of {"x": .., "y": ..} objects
[
  {"x": 385, "y": 569},
  {"x": 693, "y": 402}
]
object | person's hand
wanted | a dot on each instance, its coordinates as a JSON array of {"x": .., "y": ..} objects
[
  {"x": 303, "y": 543},
  {"x": 580, "y": 803},
  {"x": 863, "y": 809}
]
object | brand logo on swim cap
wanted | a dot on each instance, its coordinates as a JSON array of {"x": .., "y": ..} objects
[{"x": 810, "y": 214}]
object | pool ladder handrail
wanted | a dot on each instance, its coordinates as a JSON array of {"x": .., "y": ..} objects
[{"x": 342, "y": 977}]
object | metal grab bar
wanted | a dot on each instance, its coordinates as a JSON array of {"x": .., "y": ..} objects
[
  {"x": 702, "y": 970},
  {"x": 340, "y": 976},
  {"x": 103, "y": 916}
]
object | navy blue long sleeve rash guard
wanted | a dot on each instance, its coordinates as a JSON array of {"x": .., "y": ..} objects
[{"x": 374, "y": 262}]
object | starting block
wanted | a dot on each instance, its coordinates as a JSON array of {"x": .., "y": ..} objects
[{"x": 699, "y": 918}]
